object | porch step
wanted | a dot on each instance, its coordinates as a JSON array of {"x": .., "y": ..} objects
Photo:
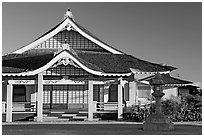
[
  {"x": 54, "y": 114},
  {"x": 68, "y": 115},
  {"x": 81, "y": 115},
  {"x": 82, "y": 118},
  {"x": 45, "y": 118}
]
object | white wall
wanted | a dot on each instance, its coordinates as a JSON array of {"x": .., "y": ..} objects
[
  {"x": 169, "y": 92},
  {"x": 132, "y": 94}
]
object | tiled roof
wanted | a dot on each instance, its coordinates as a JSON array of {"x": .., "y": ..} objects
[
  {"x": 106, "y": 62},
  {"x": 11, "y": 70},
  {"x": 26, "y": 62},
  {"x": 121, "y": 63},
  {"x": 167, "y": 79},
  {"x": 90, "y": 34}
]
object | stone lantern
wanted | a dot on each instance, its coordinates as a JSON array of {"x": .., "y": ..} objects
[{"x": 157, "y": 121}]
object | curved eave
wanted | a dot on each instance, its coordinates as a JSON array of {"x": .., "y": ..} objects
[
  {"x": 57, "y": 30},
  {"x": 176, "y": 85},
  {"x": 62, "y": 55},
  {"x": 166, "y": 85},
  {"x": 102, "y": 74},
  {"x": 94, "y": 39},
  {"x": 151, "y": 73}
]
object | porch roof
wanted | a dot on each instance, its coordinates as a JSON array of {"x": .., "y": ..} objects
[
  {"x": 167, "y": 79},
  {"x": 104, "y": 62}
]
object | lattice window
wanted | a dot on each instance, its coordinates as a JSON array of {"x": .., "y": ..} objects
[
  {"x": 77, "y": 94},
  {"x": 68, "y": 70},
  {"x": 63, "y": 94},
  {"x": 73, "y": 38}
]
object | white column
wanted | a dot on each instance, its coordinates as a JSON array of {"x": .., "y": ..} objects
[
  {"x": 40, "y": 98},
  {"x": 9, "y": 102},
  {"x": 120, "y": 98},
  {"x": 132, "y": 93},
  {"x": 136, "y": 90},
  {"x": 90, "y": 100},
  {"x": 101, "y": 95}
]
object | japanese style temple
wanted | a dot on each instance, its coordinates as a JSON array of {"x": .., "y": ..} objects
[{"x": 69, "y": 68}]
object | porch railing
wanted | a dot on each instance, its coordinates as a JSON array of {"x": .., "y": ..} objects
[
  {"x": 20, "y": 107},
  {"x": 106, "y": 106}
]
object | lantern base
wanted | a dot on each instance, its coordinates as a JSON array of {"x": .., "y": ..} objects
[{"x": 158, "y": 122}]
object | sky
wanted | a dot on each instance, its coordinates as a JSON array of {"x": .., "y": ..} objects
[{"x": 168, "y": 33}]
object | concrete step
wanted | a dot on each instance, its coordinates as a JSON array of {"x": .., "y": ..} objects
[
  {"x": 68, "y": 115},
  {"x": 84, "y": 112},
  {"x": 96, "y": 119},
  {"x": 54, "y": 115},
  {"x": 45, "y": 115},
  {"x": 56, "y": 120},
  {"x": 79, "y": 118}
]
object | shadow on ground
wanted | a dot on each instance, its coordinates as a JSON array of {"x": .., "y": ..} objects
[{"x": 94, "y": 129}]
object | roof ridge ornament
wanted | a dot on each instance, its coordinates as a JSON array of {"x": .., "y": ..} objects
[
  {"x": 69, "y": 14},
  {"x": 68, "y": 27},
  {"x": 66, "y": 46}
]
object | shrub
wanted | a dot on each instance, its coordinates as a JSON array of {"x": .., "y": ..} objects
[{"x": 184, "y": 108}]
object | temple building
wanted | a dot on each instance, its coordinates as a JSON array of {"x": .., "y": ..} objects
[{"x": 69, "y": 69}]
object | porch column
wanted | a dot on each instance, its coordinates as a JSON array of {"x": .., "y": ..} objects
[
  {"x": 101, "y": 95},
  {"x": 9, "y": 102},
  {"x": 40, "y": 98},
  {"x": 120, "y": 98},
  {"x": 90, "y": 100}
]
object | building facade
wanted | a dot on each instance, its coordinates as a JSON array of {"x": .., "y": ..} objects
[{"x": 69, "y": 68}]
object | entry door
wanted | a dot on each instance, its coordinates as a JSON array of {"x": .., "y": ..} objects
[
  {"x": 55, "y": 96},
  {"x": 77, "y": 96},
  {"x": 65, "y": 96}
]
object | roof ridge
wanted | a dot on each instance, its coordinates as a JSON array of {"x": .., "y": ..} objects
[{"x": 92, "y": 52}]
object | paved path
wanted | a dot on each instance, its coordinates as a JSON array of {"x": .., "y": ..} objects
[
  {"x": 199, "y": 123},
  {"x": 92, "y": 128}
]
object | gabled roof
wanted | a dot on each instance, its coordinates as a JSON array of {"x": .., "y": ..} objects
[
  {"x": 96, "y": 61},
  {"x": 60, "y": 27},
  {"x": 121, "y": 63},
  {"x": 6, "y": 69},
  {"x": 168, "y": 80},
  {"x": 29, "y": 60}
]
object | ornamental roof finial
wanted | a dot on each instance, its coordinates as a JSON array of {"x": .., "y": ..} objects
[{"x": 68, "y": 14}]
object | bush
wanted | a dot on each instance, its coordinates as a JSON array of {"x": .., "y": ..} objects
[{"x": 185, "y": 108}]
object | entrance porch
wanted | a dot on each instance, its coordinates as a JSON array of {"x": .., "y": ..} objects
[{"x": 91, "y": 96}]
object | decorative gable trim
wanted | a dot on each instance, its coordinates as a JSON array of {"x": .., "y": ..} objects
[
  {"x": 69, "y": 25},
  {"x": 94, "y": 40},
  {"x": 42, "y": 39},
  {"x": 64, "y": 58},
  {"x": 65, "y": 61}
]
